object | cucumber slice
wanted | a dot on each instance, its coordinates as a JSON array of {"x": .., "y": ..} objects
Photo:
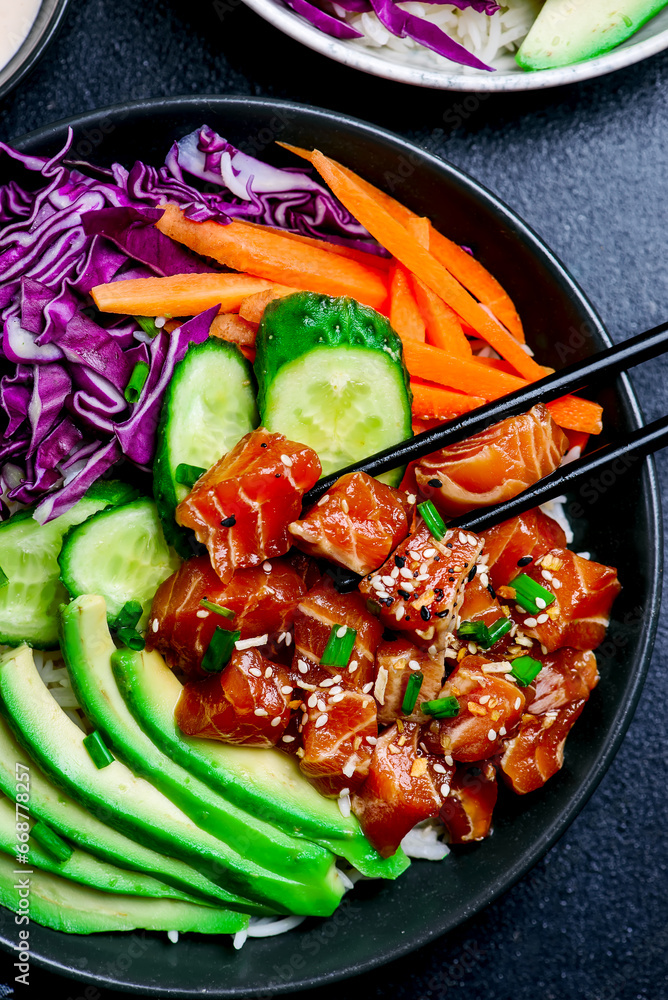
[
  {"x": 208, "y": 407},
  {"x": 120, "y": 554},
  {"x": 29, "y": 557},
  {"x": 331, "y": 375}
]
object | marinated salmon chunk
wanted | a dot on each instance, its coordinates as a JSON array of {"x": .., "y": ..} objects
[
  {"x": 420, "y": 588},
  {"x": 246, "y": 704},
  {"x": 567, "y": 675},
  {"x": 584, "y": 593},
  {"x": 467, "y": 811},
  {"x": 404, "y": 786},
  {"x": 339, "y": 731},
  {"x": 356, "y": 524},
  {"x": 396, "y": 662},
  {"x": 536, "y": 751},
  {"x": 240, "y": 509},
  {"x": 181, "y": 627},
  {"x": 513, "y": 545},
  {"x": 494, "y": 465}
]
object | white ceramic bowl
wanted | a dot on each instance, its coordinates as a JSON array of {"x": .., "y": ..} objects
[{"x": 410, "y": 68}]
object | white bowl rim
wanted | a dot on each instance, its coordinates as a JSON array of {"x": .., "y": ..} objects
[{"x": 367, "y": 61}]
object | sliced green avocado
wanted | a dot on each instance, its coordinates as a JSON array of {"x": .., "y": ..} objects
[
  {"x": 331, "y": 375},
  {"x": 77, "y": 909},
  {"x": 133, "y": 805},
  {"x": 88, "y": 648},
  {"x": 265, "y": 782},
  {"x": 570, "y": 31},
  {"x": 71, "y": 820}
]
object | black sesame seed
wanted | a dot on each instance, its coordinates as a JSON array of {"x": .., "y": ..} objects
[
  {"x": 442, "y": 614},
  {"x": 415, "y": 574},
  {"x": 404, "y": 593},
  {"x": 448, "y": 545},
  {"x": 451, "y": 579},
  {"x": 466, "y": 565},
  {"x": 525, "y": 560},
  {"x": 388, "y": 602},
  {"x": 277, "y": 475},
  {"x": 492, "y": 592},
  {"x": 472, "y": 573},
  {"x": 228, "y": 522},
  {"x": 399, "y": 562},
  {"x": 438, "y": 593},
  {"x": 407, "y": 618},
  {"x": 263, "y": 445},
  {"x": 425, "y": 614},
  {"x": 436, "y": 483},
  {"x": 437, "y": 558}
]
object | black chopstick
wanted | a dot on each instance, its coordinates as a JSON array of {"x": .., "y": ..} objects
[{"x": 576, "y": 376}]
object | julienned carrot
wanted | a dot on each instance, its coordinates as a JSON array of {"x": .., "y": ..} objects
[
  {"x": 465, "y": 268},
  {"x": 395, "y": 238},
  {"x": 275, "y": 257},
  {"x": 177, "y": 295},
  {"x": 433, "y": 401},
  {"x": 405, "y": 316},
  {"x": 253, "y": 307},
  {"x": 368, "y": 259},
  {"x": 229, "y": 326},
  {"x": 433, "y": 365}
]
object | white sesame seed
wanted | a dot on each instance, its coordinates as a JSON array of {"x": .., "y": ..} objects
[
  {"x": 395, "y": 573},
  {"x": 399, "y": 613},
  {"x": 160, "y": 321},
  {"x": 323, "y": 500},
  {"x": 406, "y": 573},
  {"x": 405, "y": 585},
  {"x": 472, "y": 540},
  {"x": 440, "y": 769},
  {"x": 543, "y": 649},
  {"x": 321, "y": 705},
  {"x": 321, "y": 721},
  {"x": 352, "y": 667},
  {"x": 344, "y": 791},
  {"x": 302, "y": 667},
  {"x": 266, "y": 566},
  {"x": 203, "y": 613},
  {"x": 335, "y": 690},
  {"x": 388, "y": 581},
  {"x": 546, "y": 575},
  {"x": 518, "y": 702},
  {"x": 422, "y": 578},
  {"x": 542, "y": 619},
  {"x": 540, "y": 603},
  {"x": 502, "y": 731},
  {"x": 344, "y": 506},
  {"x": 432, "y": 651},
  {"x": 313, "y": 701},
  {"x": 411, "y": 498},
  {"x": 383, "y": 594},
  {"x": 462, "y": 538},
  {"x": 337, "y": 680},
  {"x": 288, "y": 638},
  {"x": 261, "y": 711},
  {"x": 155, "y": 626},
  {"x": 255, "y": 671},
  {"x": 429, "y": 553},
  {"x": 338, "y": 697},
  {"x": 268, "y": 672},
  {"x": 367, "y": 687},
  {"x": 485, "y": 698},
  {"x": 413, "y": 665},
  {"x": 286, "y": 689},
  {"x": 484, "y": 580},
  {"x": 306, "y": 687},
  {"x": 448, "y": 760},
  {"x": 424, "y": 566},
  {"x": 258, "y": 640},
  {"x": 372, "y": 740},
  {"x": 556, "y": 584},
  {"x": 491, "y": 735},
  {"x": 276, "y": 721},
  {"x": 288, "y": 739},
  {"x": 286, "y": 460},
  {"x": 530, "y": 622},
  {"x": 340, "y": 632},
  {"x": 343, "y": 803},
  {"x": 281, "y": 637},
  {"x": 327, "y": 683},
  {"x": 472, "y": 648},
  {"x": 445, "y": 789}
]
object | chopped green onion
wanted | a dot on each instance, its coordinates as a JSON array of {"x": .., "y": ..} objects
[
  {"x": 442, "y": 708},
  {"x": 339, "y": 647},
  {"x": 129, "y": 615},
  {"x": 136, "y": 384},
  {"x": 412, "y": 692},
  {"x": 528, "y": 593},
  {"x": 187, "y": 475},
  {"x": 219, "y": 650},
  {"x": 496, "y": 630},
  {"x": 131, "y": 638},
  {"x": 51, "y": 842},
  {"x": 477, "y": 631},
  {"x": 373, "y": 606},
  {"x": 210, "y": 606},
  {"x": 4, "y": 579},
  {"x": 99, "y": 752},
  {"x": 525, "y": 669},
  {"x": 147, "y": 323},
  {"x": 432, "y": 519}
]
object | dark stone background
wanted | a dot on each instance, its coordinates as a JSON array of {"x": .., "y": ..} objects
[{"x": 586, "y": 166}]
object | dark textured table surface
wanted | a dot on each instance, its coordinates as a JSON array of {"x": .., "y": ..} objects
[{"x": 587, "y": 167}]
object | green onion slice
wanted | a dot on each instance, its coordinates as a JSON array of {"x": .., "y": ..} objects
[
  {"x": 339, "y": 646},
  {"x": 219, "y": 650},
  {"x": 147, "y": 323},
  {"x": 530, "y": 595},
  {"x": 131, "y": 638},
  {"x": 52, "y": 842},
  {"x": 442, "y": 708},
  {"x": 432, "y": 519},
  {"x": 476, "y": 631},
  {"x": 496, "y": 630},
  {"x": 187, "y": 475},
  {"x": 210, "y": 606},
  {"x": 525, "y": 669},
  {"x": 136, "y": 384},
  {"x": 129, "y": 615},
  {"x": 4, "y": 579},
  {"x": 373, "y": 606},
  {"x": 99, "y": 752},
  {"x": 412, "y": 691}
]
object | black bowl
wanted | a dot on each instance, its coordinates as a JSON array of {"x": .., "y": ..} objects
[
  {"x": 43, "y": 31},
  {"x": 617, "y": 521}
]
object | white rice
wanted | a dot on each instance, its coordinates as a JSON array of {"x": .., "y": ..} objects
[
  {"x": 556, "y": 509},
  {"x": 494, "y": 39},
  {"x": 424, "y": 841}
]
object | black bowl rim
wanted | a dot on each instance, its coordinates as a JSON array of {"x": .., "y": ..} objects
[
  {"x": 650, "y": 493},
  {"x": 40, "y": 36}
]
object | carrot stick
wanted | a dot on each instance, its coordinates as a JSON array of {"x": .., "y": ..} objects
[
  {"x": 275, "y": 257},
  {"x": 574, "y": 413},
  {"x": 465, "y": 268},
  {"x": 443, "y": 326},
  {"x": 253, "y": 307},
  {"x": 433, "y": 401},
  {"x": 229, "y": 326},
  {"x": 405, "y": 315},
  {"x": 361, "y": 256},
  {"x": 177, "y": 295},
  {"x": 395, "y": 238}
]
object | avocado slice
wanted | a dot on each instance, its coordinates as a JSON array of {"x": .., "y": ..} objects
[
  {"x": 88, "y": 648},
  {"x": 71, "y": 820},
  {"x": 265, "y": 782},
  {"x": 133, "y": 805},
  {"x": 570, "y": 31},
  {"x": 77, "y": 909}
]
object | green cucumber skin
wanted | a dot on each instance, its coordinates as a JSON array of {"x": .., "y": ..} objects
[
  {"x": 90, "y": 546},
  {"x": 23, "y": 618},
  {"x": 132, "y": 805},
  {"x": 68, "y": 818},
  {"x": 166, "y": 491},
  {"x": 66, "y": 906},
  {"x": 561, "y": 38},
  {"x": 150, "y": 689},
  {"x": 87, "y": 647}
]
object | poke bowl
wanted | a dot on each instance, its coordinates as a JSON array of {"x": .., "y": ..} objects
[
  {"x": 382, "y": 53},
  {"x": 428, "y": 899}
]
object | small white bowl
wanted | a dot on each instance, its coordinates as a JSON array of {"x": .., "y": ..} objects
[{"x": 409, "y": 68}]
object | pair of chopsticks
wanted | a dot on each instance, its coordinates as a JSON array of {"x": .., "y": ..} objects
[{"x": 575, "y": 377}]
